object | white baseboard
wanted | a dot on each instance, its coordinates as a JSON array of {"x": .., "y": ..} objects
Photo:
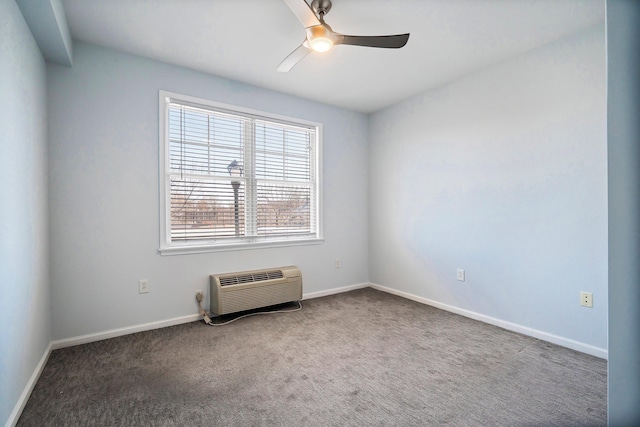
[
  {"x": 335, "y": 291},
  {"x": 544, "y": 336},
  {"x": 26, "y": 393},
  {"x": 98, "y": 336}
]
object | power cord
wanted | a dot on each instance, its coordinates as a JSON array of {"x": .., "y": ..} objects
[
  {"x": 203, "y": 313},
  {"x": 209, "y": 322}
]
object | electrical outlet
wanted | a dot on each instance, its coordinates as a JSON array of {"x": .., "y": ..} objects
[
  {"x": 586, "y": 299},
  {"x": 143, "y": 286},
  {"x": 199, "y": 296},
  {"x": 460, "y": 275},
  {"x": 337, "y": 262}
]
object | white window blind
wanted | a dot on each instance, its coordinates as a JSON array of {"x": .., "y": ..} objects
[{"x": 237, "y": 177}]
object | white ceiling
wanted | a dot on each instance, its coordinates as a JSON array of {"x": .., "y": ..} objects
[{"x": 245, "y": 40}]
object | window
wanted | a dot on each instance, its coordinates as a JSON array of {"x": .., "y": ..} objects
[{"x": 236, "y": 178}]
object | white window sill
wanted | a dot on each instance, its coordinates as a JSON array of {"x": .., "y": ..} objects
[{"x": 198, "y": 249}]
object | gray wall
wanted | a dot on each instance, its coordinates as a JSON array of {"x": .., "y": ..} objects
[
  {"x": 501, "y": 173},
  {"x": 623, "y": 51},
  {"x": 25, "y": 316},
  {"x": 104, "y": 194}
]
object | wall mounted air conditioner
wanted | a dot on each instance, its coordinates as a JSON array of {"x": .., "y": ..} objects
[{"x": 232, "y": 292}]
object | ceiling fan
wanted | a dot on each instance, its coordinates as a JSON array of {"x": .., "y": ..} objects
[{"x": 320, "y": 36}]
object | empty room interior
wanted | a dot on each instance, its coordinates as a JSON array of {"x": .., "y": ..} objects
[{"x": 476, "y": 164}]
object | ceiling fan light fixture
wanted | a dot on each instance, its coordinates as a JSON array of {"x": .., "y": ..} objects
[
  {"x": 321, "y": 44},
  {"x": 319, "y": 38}
]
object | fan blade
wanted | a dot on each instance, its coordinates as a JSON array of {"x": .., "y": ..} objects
[
  {"x": 293, "y": 58},
  {"x": 303, "y": 12},
  {"x": 390, "y": 42}
]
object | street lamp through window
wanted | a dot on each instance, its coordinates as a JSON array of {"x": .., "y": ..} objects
[{"x": 235, "y": 171}]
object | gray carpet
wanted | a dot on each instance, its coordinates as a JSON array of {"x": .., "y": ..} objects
[{"x": 362, "y": 358}]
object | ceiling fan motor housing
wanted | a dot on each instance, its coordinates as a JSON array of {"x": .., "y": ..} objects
[{"x": 321, "y": 7}]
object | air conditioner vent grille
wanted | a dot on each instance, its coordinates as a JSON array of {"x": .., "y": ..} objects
[{"x": 250, "y": 278}]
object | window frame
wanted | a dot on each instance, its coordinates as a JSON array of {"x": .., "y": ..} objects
[{"x": 169, "y": 247}]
